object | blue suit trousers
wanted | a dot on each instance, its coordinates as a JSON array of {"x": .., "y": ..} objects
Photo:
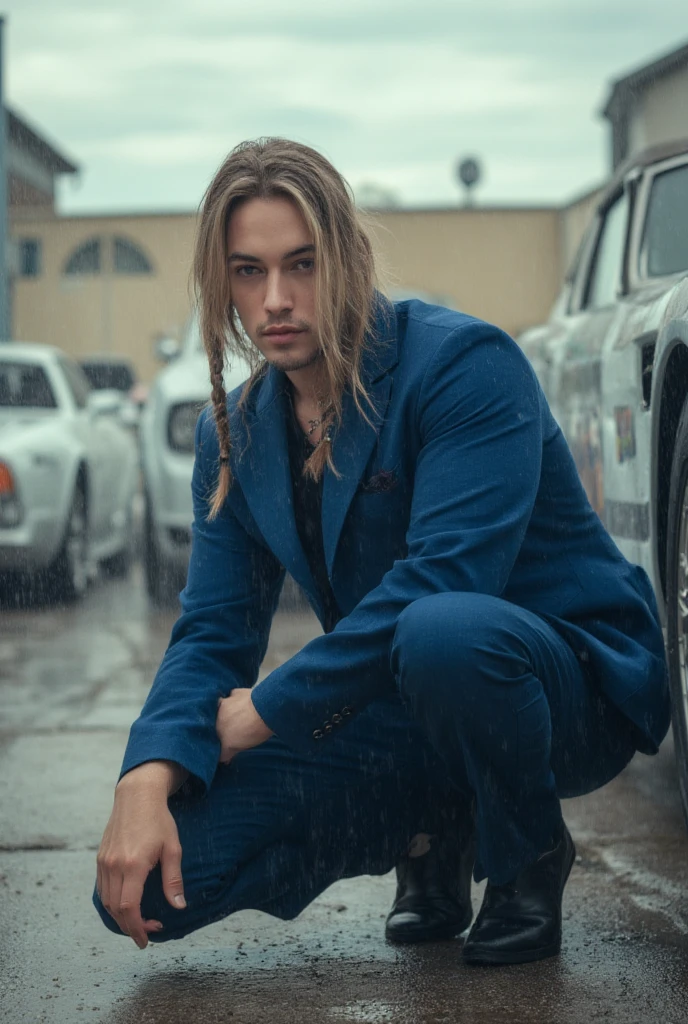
[{"x": 494, "y": 719}]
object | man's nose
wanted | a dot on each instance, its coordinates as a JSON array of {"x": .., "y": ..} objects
[{"x": 278, "y": 297}]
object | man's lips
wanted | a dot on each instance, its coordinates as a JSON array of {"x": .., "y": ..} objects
[{"x": 281, "y": 334}]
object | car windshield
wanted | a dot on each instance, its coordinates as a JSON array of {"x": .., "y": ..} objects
[
  {"x": 25, "y": 386},
  {"x": 102, "y": 376}
]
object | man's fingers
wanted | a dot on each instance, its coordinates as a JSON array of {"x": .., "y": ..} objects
[
  {"x": 129, "y": 909},
  {"x": 99, "y": 881},
  {"x": 171, "y": 867},
  {"x": 152, "y": 926},
  {"x": 112, "y": 887}
]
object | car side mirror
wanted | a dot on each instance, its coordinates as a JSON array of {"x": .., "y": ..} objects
[
  {"x": 167, "y": 349},
  {"x": 105, "y": 403},
  {"x": 129, "y": 415}
]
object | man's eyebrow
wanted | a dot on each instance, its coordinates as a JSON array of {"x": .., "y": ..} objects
[
  {"x": 244, "y": 256},
  {"x": 298, "y": 252},
  {"x": 301, "y": 251}
]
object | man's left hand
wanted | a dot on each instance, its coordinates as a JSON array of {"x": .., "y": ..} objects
[{"x": 239, "y": 726}]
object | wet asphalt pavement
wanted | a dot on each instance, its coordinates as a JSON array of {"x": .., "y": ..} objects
[{"x": 71, "y": 681}]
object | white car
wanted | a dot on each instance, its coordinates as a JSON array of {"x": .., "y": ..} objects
[
  {"x": 166, "y": 431},
  {"x": 613, "y": 362},
  {"x": 68, "y": 472}
]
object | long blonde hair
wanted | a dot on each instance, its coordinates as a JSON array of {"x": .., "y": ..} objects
[{"x": 344, "y": 278}]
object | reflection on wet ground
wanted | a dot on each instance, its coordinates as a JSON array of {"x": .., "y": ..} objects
[{"x": 71, "y": 680}]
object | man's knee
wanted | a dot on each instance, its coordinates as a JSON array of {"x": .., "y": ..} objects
[{"x": 454, "y": 639}]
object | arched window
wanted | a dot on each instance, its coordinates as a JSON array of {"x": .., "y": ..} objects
[
  {"x": 91, "y": 258},
  {"x": 129, "y": 259},
  {"x": 85, "y": 259}
]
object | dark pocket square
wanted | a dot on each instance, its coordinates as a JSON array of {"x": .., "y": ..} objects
[{"x": 383, "y": 481}]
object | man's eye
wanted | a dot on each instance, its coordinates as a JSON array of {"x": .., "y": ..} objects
[
  {"x": 246, "y": 271},
  {"x": 304, "y": 265}
]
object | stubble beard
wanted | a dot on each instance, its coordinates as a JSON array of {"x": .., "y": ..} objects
[{"x": 290, "y": 363}]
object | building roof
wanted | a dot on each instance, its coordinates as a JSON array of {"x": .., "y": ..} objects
[
  {"x": 27, "y": 138},
  {"x": 625, "y": 88}
]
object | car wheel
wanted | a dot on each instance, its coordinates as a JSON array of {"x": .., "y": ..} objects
[
  {"x": 117, "y": 566},
  {"x": 677, "y": 602},
  {"x": 68, "y": 575},
  {"x": 160, "y": 578}
]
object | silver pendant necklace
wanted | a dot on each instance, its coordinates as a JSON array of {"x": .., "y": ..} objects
[{"x": 314, "y": 424}]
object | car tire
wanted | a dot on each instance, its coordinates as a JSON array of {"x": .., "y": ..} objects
[
  {"x": 117, "y": 566},
  {"x": 677, "y": 602},
  {"x": 160, "y": 578},
  {"x": 68, "y": 576}
]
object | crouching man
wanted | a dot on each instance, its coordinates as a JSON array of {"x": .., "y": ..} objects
[{"x": 486, "y": 650}]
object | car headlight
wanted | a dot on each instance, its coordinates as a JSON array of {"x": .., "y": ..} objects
[{"x": 181, "y": 426}]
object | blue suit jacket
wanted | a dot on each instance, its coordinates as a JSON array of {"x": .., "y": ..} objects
[{"x": 461, "y": 482}]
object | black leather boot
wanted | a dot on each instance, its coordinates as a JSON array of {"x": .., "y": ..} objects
[
  {"x": 433, "y": 899},
  {"x": 521, "y": 921}
]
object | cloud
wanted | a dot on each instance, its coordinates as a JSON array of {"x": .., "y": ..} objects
[{"x": 389, "y": 91}]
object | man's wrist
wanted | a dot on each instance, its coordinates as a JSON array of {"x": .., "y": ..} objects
[{"x": 165, "y": 777}]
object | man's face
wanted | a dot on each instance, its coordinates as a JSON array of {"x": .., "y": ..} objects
[{"x": 271, "y": 264}]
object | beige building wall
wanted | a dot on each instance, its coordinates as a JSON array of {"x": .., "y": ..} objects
[
  {"x": 661, "y": 113},
  {"x": 503, "y": 265},
  {"x": 108, "y": 313}
]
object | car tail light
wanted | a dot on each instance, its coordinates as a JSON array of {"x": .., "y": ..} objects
[
  {"x": 6, "y": 479},
  {"x": 11, "y": 513}
]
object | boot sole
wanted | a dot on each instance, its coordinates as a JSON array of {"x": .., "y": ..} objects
[
  {"x": 486, "y": 958},
  {"x": 479, "y": 959},
  {"x": 437, "y": 934}
]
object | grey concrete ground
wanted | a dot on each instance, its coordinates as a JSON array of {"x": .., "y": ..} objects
[{"x": 71, "y": 681}]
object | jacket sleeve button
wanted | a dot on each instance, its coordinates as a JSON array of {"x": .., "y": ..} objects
[
  {"x": 327, "y": 727},
  {"x": 337, "y": 719},
  {"x": 347, "y": 711},
  {"x": 318, "y": 734}
]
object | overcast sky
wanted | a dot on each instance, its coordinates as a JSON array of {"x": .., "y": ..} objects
[{"x": 148, "y": 96}]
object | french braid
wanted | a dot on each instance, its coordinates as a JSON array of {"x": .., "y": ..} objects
[{"x": 218, "y": 397}]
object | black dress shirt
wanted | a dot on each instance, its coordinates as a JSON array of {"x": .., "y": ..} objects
[{"x": 307, "y": 495}]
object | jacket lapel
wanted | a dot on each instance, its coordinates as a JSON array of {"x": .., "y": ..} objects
[
  {"x": 355, "y": 438},
  {"x": 262, "y": 468},
  {"x": 262, "y": 462}
]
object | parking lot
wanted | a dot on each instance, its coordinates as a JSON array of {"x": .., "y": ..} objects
[{"x": 71, "y": 681}]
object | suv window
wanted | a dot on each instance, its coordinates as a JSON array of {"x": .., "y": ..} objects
[
  {"x": 76, "y": 381},
  {"x": 606, "y": 269},
  {"x": 25, "y": 386},
  {"x": 104, "y": 375},
  {"x": 664, "y": 248}
]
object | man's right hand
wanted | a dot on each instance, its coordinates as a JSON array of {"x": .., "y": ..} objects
[{"x": 141, "y": 833}]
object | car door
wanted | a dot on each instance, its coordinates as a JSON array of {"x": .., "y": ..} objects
[
  {"x": 597, "y": 308},
  {"x": 119, "y": 469},
  {"x": 95, "y": 444}
]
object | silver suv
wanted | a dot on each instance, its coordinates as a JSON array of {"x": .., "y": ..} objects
[{"x": 613, "y": 361}]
